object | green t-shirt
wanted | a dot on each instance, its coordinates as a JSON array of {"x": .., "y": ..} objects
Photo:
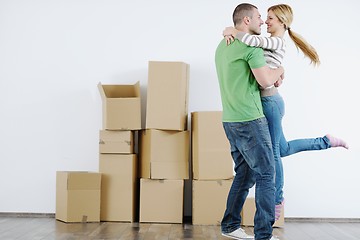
[{"x": 240, "y": 94}]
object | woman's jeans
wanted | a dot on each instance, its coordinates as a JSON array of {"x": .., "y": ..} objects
[
  {"x": 274, "y": 110},
  {"x": 253, "y": 164}
]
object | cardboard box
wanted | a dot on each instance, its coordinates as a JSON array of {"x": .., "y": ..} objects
[
  {"x": 161, "y": 201},
  {"x": 121, "y": 106},
  {"x": 167, "y": 96},
  {"x": 211, "y": 156},
  {"x": 78, "y": 196},
  {"x": 164, "y": 154},
  {"x": 119, "y": 188},
  {"x": 209, "y": 201},
  {"x": 116, "y": 141},
  {"x": 248, "y": 213}
]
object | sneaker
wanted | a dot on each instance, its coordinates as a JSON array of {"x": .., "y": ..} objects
[
  {"x": 238, "y": 234},
  {"x": 274, "y": 238}
]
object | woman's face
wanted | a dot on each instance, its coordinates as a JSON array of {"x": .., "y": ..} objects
[{"x": 273, "y": 23}]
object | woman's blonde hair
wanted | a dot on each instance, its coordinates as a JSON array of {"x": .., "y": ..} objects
[{"x": 285, "y": 15}]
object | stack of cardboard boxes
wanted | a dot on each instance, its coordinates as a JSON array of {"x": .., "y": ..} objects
[
  {"x": 212, "y": 167},
  {"x": 164, "y": 144},
  {"x": 118, "y": 162},
  {"x": 115, "y": 192},
  {"x": 110, "y": 194}
]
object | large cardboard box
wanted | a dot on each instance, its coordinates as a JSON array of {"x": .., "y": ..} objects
[
  {"x": 164, "y": 154},
  {"x": 248, "y": 213},
  {"x": 121, "y": 106},
  {"x": 119, "y": 188},
  {"x": 161, "y": 201},
  {"x": 167, "y": 96},
  {"x": 211, "y": 157},
  {"x": 209, "y": 201},
  {"x": 116, "y": 141},
  {"x": 78, "y": 196}
]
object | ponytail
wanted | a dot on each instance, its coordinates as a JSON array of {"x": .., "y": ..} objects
[{"x": 308, "y": 50}]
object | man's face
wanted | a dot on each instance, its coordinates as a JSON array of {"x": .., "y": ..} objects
[{"x": 255, "y": 23}]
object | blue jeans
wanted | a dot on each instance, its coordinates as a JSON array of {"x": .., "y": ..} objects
[
  {"x": 274, "y": 110},
  {"x": 253, "y": 163}
]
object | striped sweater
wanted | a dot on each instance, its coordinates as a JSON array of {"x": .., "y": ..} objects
[
  {"x": 274, "y": 53},
  {"x": 274, "y": 47}
]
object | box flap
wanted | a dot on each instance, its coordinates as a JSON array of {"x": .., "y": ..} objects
[
  {"x": 101, "y": 90},
  {"x": 119, "y": 90},
  {"x": 137, "y": 89}
]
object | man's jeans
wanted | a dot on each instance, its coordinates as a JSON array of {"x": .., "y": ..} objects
[
  {"x": 254, "y": 164},
  {"x": 274, "y": 110}
]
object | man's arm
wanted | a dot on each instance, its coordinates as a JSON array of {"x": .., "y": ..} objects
[{"x": 266, "y": 76}]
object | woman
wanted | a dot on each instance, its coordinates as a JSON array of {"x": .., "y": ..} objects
[{"x": 279, "y": 21}]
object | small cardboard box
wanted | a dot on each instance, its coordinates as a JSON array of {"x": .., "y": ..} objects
[
  {"x": 119, "y": 187},
  {"x": 161, "y": 201},
  {"x": 116, "y": 141},
  {"x": 248, "y": 213},
  {"x": 211, "y": 157},
  {"x": 164, "y": 154},
  {"x": 121, "y": 105},
  {"x": 78, "y": 196},
  {"x": 209, "y": 201},
  {"x": 167, "y": 96}
]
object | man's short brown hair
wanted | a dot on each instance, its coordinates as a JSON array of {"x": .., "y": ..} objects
[{"x": 243, "y": 10}]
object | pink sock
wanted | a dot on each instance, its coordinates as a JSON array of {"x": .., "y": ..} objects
[
  {"x": 278, "y": 209},
  {"x": 337, "y": 142}
]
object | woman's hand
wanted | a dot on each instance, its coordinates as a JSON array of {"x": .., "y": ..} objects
[
  {"x": 230, "y": 31},
  {"x": 229, "y": 39},
  {"x": 229, "y": 34}
]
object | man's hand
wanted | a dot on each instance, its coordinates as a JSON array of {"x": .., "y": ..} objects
[{"x": 279, "y": 81}]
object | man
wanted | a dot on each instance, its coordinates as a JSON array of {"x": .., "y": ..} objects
[{"x": 241, "y": 69}]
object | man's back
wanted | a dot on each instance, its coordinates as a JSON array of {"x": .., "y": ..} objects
[{"x": 239, "y": 90}]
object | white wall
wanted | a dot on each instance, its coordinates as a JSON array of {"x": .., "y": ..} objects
[{"x": 54, "y": 52}]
